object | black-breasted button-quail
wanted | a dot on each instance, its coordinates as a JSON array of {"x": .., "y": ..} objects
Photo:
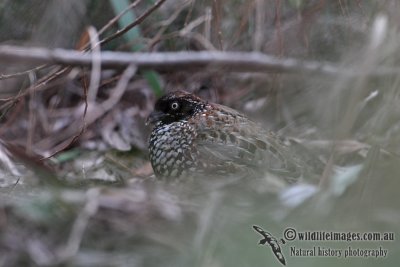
[{"x": 192, "y": 136}]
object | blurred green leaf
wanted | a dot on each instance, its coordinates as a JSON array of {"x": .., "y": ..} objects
[
  {"x": 153, "y": 78},
  {"x": 133, "y": 36},
  {"x": 67, "y": 155},
  {"x": 296, "y": 3},
  {"x": 42, "y": 209}
]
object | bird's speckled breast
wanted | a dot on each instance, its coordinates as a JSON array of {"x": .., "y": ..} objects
[{"x": 171, "y": 149}]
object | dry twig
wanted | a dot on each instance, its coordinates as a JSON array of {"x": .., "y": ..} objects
[
  {"x": 174, "y": 61},
  {"x": 133, "y": 24},
  {"x": 94, "y": 112}
]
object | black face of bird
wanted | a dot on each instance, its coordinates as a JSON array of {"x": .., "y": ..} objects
[{"x": 174, "y": 107}]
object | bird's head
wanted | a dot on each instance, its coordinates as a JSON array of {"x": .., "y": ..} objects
[{"x": 176, "y": 106}]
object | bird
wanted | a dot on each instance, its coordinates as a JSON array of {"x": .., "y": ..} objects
[
  {"x": 194, "y": 137},
  {"x": 272, "y": 242}
]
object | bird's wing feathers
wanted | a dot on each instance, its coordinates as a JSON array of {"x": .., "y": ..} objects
[{"x": 241, "y": 143}]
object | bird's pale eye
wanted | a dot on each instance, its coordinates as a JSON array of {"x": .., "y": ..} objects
[{"x": 174, "y": 105}]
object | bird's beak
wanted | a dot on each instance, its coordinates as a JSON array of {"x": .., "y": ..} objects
[{"x": 154, "y": 117}]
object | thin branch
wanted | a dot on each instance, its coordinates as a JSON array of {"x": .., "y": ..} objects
[
  {"x": 116, "y": 18},
  {"x": 32, "y": 114},
  {"x": 21, "y": 73},
  {"x": 79, "y": 226},
  {"x": 259, "y": 32},
  {"x": 166, "y": 23},
  {"x": 119, "y": 90},
  {"x": 95, "y": 76},
  {"x": 133, "y": 24},
  {"x": 93, "y": 88},
  {"x": 174, "y": 61},
  {"x": 91, "y": 113}
]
